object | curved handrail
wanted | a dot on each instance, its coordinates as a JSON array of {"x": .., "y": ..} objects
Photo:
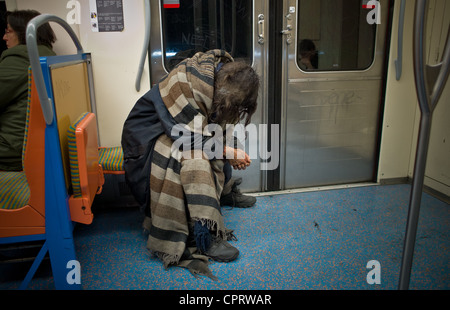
[
  {"x": 33, "y": 53},
  {"x": 428, "y": 97},
  {"x": 442, "y": 77},
  {"x": 147, "y": 14}
]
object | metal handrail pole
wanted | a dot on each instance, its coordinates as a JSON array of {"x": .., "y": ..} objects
[
  {"x": 428, "y": 99},
  {"x": 399, "y": 60},
  {"x": 144, "y": 52}
]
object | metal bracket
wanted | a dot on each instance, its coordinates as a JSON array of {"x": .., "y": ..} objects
[
  {"x": 287, "y": 31},
  {"x": 261, "y": 38}
]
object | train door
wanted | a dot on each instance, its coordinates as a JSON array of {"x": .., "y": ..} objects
[
  {"x": 317, "y": 121},
  {"x": 332, "y": 81},
  {"x": 181, "y": 28}
]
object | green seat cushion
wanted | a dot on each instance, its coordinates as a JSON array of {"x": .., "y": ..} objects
[
  {"x": 14, "y": 190},
  {"x": 73, "y": 156},
  {"x": 111, "y": 158}
]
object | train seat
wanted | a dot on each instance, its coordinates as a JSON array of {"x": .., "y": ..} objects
[
  {"x": 22, "y": 202},
  {"x": 61, "y": 169},
  {"x": 86, "y": 172},
  {"x": 111, "y": 159},
  {"x": 41, "y": 203}
]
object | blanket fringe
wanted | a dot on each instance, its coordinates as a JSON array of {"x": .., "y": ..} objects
[
  {"x": 212, "y": 226},
  {"x": 196, "y": 264},
  {"x": 168, "y": 259},
  {"x": 198, "y": 267}
]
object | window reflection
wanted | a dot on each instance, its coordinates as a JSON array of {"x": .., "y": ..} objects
[
  {"x": 334, "y": 35},
  {"x": 201, "y": 25}
]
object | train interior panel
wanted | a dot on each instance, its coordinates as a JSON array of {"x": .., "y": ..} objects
[{"x": 349, "y": 145}]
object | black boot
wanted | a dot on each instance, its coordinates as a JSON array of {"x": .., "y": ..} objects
[
  {"x": 221, "y": 251},
  {"x": 236, "y": 199},
  {"x": 213, "y": 247}
]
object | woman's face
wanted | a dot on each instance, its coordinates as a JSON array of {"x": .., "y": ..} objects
[{"x": 10, "y": 37}]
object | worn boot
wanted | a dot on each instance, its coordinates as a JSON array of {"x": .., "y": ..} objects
[
  {"x": 236, "y": 199},
  {"x": 213, "y": 247},
  {"x": 221, "y": 251}
]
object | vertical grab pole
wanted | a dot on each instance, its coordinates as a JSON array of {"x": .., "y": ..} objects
[
  {"x": 428, "y": 99},
  {"x": 147, "y": 14},
  {"x": 399, "y": 60},
  {"x": 422, "y": 145}
]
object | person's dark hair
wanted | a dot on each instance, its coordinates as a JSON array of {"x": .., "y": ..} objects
[
  {"x": 18, "y": 21},
  {"x": 307, "y": 45},
  {"x": 236, "y": 89}
]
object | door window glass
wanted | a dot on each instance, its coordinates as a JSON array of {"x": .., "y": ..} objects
[
  {"x": 334, "y": 35},
  {"x": 201, "y": 25}
]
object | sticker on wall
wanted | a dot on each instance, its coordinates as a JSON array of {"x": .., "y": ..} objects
[
  {"x": 171, "y": 4},
  {"x": 106, "y": 15}
]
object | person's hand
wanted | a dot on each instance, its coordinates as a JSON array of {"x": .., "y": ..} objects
[
  {"x": 237, "y": 158},
  {"x": 307, "y": 62}
]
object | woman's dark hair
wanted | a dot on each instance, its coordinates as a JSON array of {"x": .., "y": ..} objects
[
  {"x": 18, "y": 21},
  {"x": 307, "y": 47},
  {"x": 235, "y": 94}
]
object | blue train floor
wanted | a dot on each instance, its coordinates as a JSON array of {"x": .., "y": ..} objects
[{"x": 301, "y": 241}]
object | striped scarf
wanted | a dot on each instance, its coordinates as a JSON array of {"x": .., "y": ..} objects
[{"x": 184, "y": 190}]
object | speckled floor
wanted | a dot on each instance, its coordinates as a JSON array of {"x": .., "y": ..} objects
[{"x": 303, "y": 241}]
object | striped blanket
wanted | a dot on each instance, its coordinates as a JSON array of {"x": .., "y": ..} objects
[{"x": 185, "y": 188}]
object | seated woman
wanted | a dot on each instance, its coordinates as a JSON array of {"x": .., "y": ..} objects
[
  {"x": 178, "y": 190},
  {"x": 308, "y": 55},
  {"x": 14, "y": 63}
]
